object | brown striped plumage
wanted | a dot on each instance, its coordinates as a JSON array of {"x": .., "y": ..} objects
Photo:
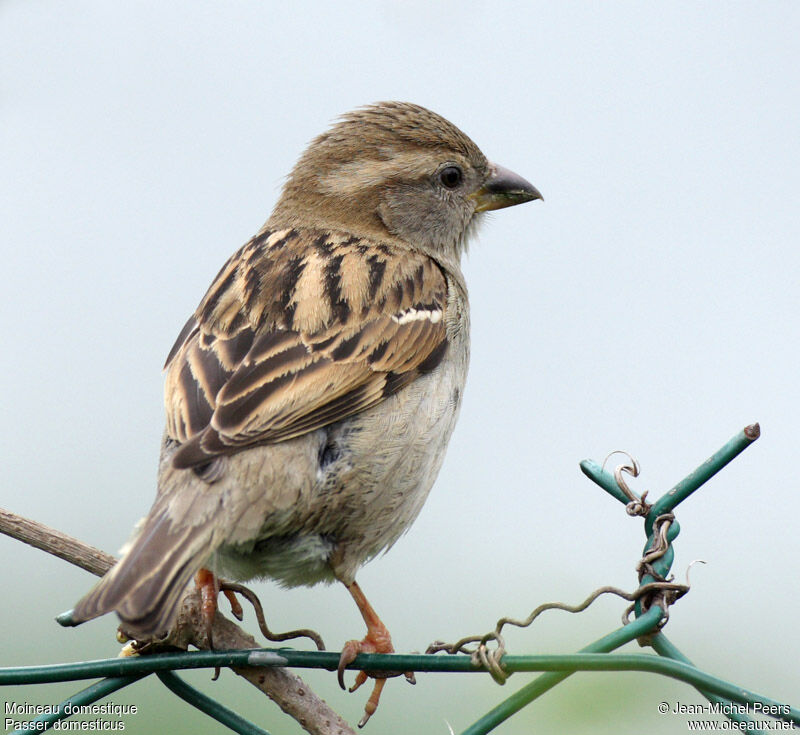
[
  {"x": 349, "y": 322},
  {"x": 311, "y": 396}
]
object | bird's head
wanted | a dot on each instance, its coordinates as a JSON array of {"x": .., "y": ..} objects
[{"x": 398, "y": 171}]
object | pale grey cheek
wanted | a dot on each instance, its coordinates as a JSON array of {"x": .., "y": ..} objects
[
  {"x": 426, "y": 216},
  {"x": 473, "y": 224}
]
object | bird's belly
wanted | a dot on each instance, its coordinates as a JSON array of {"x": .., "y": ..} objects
[
  {"x": 293, "y": 560},
  {"x": 373, "y": 473},
  {"x": 389, "y": 461}
]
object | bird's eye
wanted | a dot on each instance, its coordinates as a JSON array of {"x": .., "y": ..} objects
[{"x": 451, "y": 177}]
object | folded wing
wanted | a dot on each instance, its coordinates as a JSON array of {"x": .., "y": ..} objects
[{"x": 299, "y": 330}]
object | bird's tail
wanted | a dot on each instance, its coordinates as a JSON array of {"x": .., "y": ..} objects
[{"x": 146, "y": 586}]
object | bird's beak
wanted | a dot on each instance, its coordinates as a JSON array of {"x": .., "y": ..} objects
[{"x": 503, "y": 188}]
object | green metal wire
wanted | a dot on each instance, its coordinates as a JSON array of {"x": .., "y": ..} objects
[
  {"x": 665, "y": 505},
  {"x": 672, "y": 498},
  {"x": 591, "y": 658},
  {"x": 210, "y": 706},
  {"x": 136, "y": 665},
  {"x": 594, "y": 657},
  {"x": 547, "y": 681},
  {"x": 664, "y": 647}
]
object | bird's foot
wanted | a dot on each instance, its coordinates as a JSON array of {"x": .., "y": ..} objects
[{"x": 377, "y": 640}]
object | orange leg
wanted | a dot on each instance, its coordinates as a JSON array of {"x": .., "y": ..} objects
[
  {"x": 208, "y": 584},
  {"x": 377, "y": 640}
]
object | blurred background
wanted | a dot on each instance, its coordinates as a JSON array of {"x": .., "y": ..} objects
[{"x": 649, "y": 304}]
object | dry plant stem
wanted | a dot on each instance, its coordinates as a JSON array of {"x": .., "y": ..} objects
[
  {"x": 56, "y": 543},
  {"x": 284, "y": 688}
]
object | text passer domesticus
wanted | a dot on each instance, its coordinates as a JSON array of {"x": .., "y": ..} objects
[{"x": 311, "y": 396}]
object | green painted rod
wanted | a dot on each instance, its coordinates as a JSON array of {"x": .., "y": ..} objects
[
  {"x": 672, "y": 498},
  {"x": 543, "y": 683},
  {"x": 664, "y": 647},
  {"x": 210, "y": 706}
]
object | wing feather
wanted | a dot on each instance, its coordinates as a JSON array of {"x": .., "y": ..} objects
[{"x": 300, "y": 329}]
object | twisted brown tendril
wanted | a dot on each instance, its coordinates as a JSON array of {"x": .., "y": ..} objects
[
  {"x": 252, "y": 598},
  {"x": 663, "y": 592}
]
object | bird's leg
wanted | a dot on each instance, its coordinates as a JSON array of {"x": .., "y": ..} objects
[
  {"x": 377, "y": 640},
  {"x": 208, "y": 584}
]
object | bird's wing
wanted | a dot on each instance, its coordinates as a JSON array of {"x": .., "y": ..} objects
[{"x": 300, "y": 329}]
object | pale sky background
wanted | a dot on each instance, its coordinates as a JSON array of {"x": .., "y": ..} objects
[{"x": 649, "y": 304}]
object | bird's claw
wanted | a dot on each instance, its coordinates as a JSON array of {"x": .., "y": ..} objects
[
  {"x": 374, "y": 698},
  {"x": 350, "y": 650},
  {"x": 361, "y": 677}
]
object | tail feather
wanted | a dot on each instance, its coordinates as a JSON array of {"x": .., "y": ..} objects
[{"x": 146, "y": 586}]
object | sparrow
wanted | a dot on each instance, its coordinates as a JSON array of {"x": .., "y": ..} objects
[{"x": 311, "y": 396}]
